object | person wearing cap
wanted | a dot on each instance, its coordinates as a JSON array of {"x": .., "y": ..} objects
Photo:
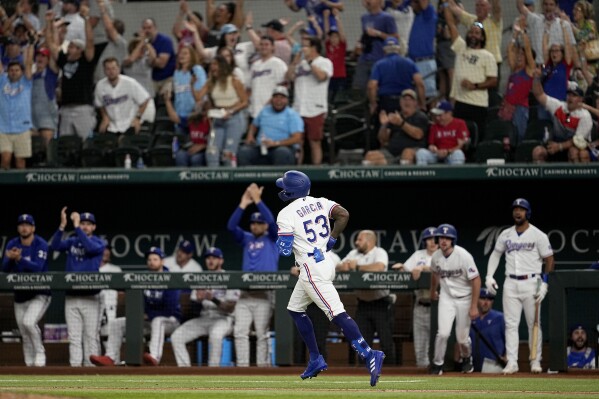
[
  {"x": 401, "y": 133},
  {"x": 447, "y": 137},
  {"x": 392, "y": 75},
  {"x": 491, "y": 325},
  {"x": 15, "y": 111},
  {"x": 276, "y": 30},
  {"x": 266, "y": 73},
  {"x": 84, "y": 252},
  {"x": 570, "y": 119},
  {"x": 218, "y": 15},
  {"x": 260, "y": 254},
  {"x": 274, "y": 135},
  {"x": 310, "y": 74},
  {"x": 77, "y": 114},
  {"x": 11, "y": 51},
  {"x": 418, "y": 262},
  {"x": 162, "y": 315},
  {"x": 28, "y": 253},
  {"x": 215, "y": 321},
  {"x": 580, "y": 354},
  {"x": 475, "y": 73}
]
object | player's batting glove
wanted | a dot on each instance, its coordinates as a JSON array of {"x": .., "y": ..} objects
[
  {"x": 541, "y": 292},
  {"x": 331, "y": 243},
  {"x": 491, "y": 284}
]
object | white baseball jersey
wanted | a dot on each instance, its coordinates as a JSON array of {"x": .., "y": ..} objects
[
  {"x": 121, "y": 102},
  {"x": 109, "y": 298},
  {"x": 524, "y": 253},
  {"x": 191, "y": 267},
  {"x": 310, "y": 96},
  {"x": 210, "y": 309},
  {"x": 264, "y": 77},
  {"x": 419, "y": 258},
  {"x": 455, "y": 271},
  {"x": 375, "y": 255}
]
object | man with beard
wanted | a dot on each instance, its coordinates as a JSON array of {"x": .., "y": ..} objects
[
  {"x": 488, "y": 340},
  {"x": 28, "y": 253},
  {"x": 526, "y": 248},
  {"x": 280, "y": 130},
  {"x": 580, "y": 354},
  {"x": 475, "y": 72}
]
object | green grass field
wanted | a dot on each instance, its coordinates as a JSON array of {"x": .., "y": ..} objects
[{"x": 325, "y": 386}]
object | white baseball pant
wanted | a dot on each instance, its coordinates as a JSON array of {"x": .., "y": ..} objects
[
  {"x": 259, "y": 311},
  {"x": 421, "y": 325},
  {"x": 28, "y": 314},
  {"x": 82, "y": 314},
  {"x": 451, "y": 309},
  {"x": 216, "y": 328}
]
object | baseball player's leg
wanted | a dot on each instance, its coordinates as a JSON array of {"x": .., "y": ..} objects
[
  {"x": 512, "y": 311},
  {"x": 262, "y": 312},
  {"x": 421, "y": 325},
  {"x": 74, "y": 321},
  {"x": 90, "y": 312},
  {"x": 160, "y": 327},
  {"x": 187, "y": 332},
  {"x": 220, "y": 328},
  {"x": 116, "y": 332},
  {"x": 445, "y": 322},
  {"x": 529, "y": 305},
  {"x": 298, "y": 303},
  {"x": 28, "y": 351},
  {"x": 365, "y": 320},
  {"x": 241, "y": 332},
  {"x": 35, "y": 310},
  {"x": 462, "y": 326}
]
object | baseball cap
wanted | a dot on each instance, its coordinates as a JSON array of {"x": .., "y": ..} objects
[
  {"x": 44, "y": 51},
  {"x": 485, "y": 294},
  {"x": 333, "y": 29},
  {"x": 187, "y": 247},
  {"x": 79, "y": 43},
  {"x": 409, "y": 92},
  {"x": 574, "y": 89},
  {"x": 529, "y": 2},
  {"x": 228, "y": 28},
  {"x": 576, "y": 326},
  {"x": 442, "y": 107},
  {"x": 26, "y": 218},
  {"x": 274, "y": 24},
  {"x": 155, "y": 251},
  {"x": 257, "y": 218},
  {"x": 213, "y": 251},
  {"x": 391, "y": 41},
  {"x": 282, "y": 90},
  {"x": 87, "y": 217}
]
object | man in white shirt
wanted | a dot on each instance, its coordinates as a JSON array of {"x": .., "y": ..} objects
[
  {"x": 183, "y": 262},
  {"x": 121, "y": 100},
  {"x": 265, "y": 74}
]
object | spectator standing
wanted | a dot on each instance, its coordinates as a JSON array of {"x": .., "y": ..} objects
[
  {"x": 375, "y": 311},
  {"x": 84, "y": 252},
  {"x": 454, "y": 269},
  {"x": 311, "y": 73},
  {"x": 217, "y": 16},
  {"x": 28, "y": 253},
  {"x": 138, "y": 64},
  {"x": 164, "y": 63},
  {"x": 44, "y": 109},
  {"x": 526, "y": 248},
  {"x": 15, "y": 111},
  {"x": 260, "y": 254},
  {"x": 112, "y": 44},
  {"x": 279, "y": 131},
  {"x": 421, "y": 44},
  {"x": 580, "y": 354},
  {"x": 188, "y": 79},
  {"x": 419, "y": 262},
  {"x": 402, "y": 12},
  {"x": 162, "y": 314},
  {"x": 446, "y": 138},
  {"x": 215, "y": 321},
  {"x": 490, "y": 325},
  {"x": 75, "y": 14},
  {"x": 336, "y": 51},
  {"x": 444, "y": 53}
]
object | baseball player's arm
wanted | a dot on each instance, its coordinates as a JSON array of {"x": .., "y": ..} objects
[
  {"x": 475, "y": 283},
  {"x": 371, "y": 267},
  {"x": 434, "y": 286},
  {"x": 57, "y": 243},
  {"x": 93, "y": 245},
  {"x": 490, "y": 282},
  {"x": 37, "y": 262},
  {"x": 270, "y": 219},
  {"x": 341, "y": 217},
  {"x": 549, "y": 264},
  {"x": 233, "y": 224}
]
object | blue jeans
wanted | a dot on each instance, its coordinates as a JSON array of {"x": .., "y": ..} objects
[
  {"x": 182, "y": 158},
  {"x": 520, "y": 121},
  {"x": 250, "y": 155},
  {"x": 228, "y": 134},
  {"x": 425, "y": 157},
  {"x": 428, "y": 70}
]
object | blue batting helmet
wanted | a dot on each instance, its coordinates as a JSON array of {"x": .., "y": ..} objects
[
  {"x": 427, "y": 233},
  {"x": 295, "y": 184},
  {"x": 447, "y": 230},
  {"x": 522, "y": 203}
]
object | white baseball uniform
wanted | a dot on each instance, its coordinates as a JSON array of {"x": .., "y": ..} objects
[
  {"x": 456, "y": 272},
  {"x": 108, "y": 299},
  {"x": 307, "y": 219},
  {"x": 192, "y": 266},
  {"x": 421, "y": 321},
  {"x": 524, "y": 254}
]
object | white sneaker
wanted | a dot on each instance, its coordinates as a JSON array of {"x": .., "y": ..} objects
[
  {"x": 40, "y": 360},
  {"x": 535, "y": 367},
  {"x": 510, "y": 368}
]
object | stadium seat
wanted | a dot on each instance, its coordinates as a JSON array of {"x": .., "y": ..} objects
[
  {"x": 489, "y": 149},
  {"x": 65, "y": 151},
  {"x": 97, "y": 150},
  {"x": 498, "y": 129},
  {"x": 39, "y": 156},
  {"x": 346, "y": 131},
  {"x": 470, "y": 147},
  {"x": 160, "y": 155},
  {"x": 524, "y": 149}
]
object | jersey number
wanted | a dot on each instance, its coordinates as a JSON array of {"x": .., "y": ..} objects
[{"x": 324, "y": 227}]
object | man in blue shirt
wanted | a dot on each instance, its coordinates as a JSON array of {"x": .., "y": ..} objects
[
  {"x": 421, "y": 46},
  {"x": 260, "y": 254},
  {"x": 580, "y": 354},
  {"x": 28, "y": 253},
  {"x": 15, "y": 111},
  {"x": 280, "y": 131},
  {"x": 163, "y": 66},
  {"x": 82, "y": 307},
  {"x": 491, "y": 325}
]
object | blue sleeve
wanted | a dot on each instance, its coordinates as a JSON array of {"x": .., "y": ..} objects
[
  {"x": 429, "y": 13},
  {"x": 7, "y": 264},
  {"x": 93, "y": 245},
  {"x": 200, "y": 75},
  {"x": 273, "y": 229},
  {"x": 171, "y": 303},
  {"x": 375, "y": 74},
  {"x": 390, "y": 25},
  {"x": 233, "y": 225},
  {"x": 57, "y": 243},
  {"x": 39, "y": 259}
]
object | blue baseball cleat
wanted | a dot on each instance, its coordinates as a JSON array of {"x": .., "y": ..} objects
[
  {"x": 314, "y": 367},
  {"x": 374, "y": 365}
]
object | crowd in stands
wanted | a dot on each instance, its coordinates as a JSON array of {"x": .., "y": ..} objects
[{"x": 429, "y": 95}]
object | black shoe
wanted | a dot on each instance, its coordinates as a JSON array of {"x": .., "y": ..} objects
[
  {"x": 467, "y": 366},
  {"x": 436, "y": 369}
]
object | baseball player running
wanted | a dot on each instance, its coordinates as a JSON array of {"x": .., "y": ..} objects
[
  {"x": 28, "y": 253},
  {"x": 305, "y": 231},
  {"x": 453, "y": 267},
  {"x": 525, "y": 248}
]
